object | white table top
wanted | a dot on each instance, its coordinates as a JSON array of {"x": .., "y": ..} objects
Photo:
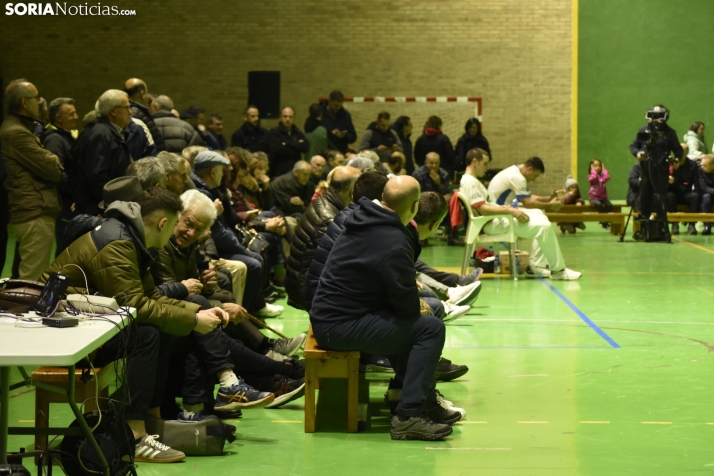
[{"x": 52, "y": 346}]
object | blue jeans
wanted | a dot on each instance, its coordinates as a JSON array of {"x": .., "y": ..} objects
[{"x": 412, "y": 345}]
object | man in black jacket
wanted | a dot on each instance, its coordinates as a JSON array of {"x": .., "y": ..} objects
[
  {"x": 434, "y": 140},
  {"x": 286, "y": 144},
  {"x": 338, "y": 122},
  {"x": 58, "y": 136},
  {"x": 101, "y": 154},
  {"x": 311, "y": 227},
  {"x": 367, "y": 300},
  {"x": 683, "y": 189},
  {"x": 706, "y": 186},
  {"x": 380, "y": 138},
  {"x": 292, "y": 192},
  {"x": 138, "y": 93},
  {"x": 177, "y": 134},
  {"x": 250, "y": 135}
]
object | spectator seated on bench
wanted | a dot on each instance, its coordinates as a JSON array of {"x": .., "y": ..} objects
[{"x": 683, "y": 189}]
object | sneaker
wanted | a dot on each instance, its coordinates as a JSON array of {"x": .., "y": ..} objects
[
  {"x": 149, "y": 450},
  {"x": 534, "y": 272},
  {"x": 241, "y": 395},
  {"x": 270, "y": 310},
  {"x": 286, "y": 390},
  {"x": 277, "y": 356},
  {"x": 453, "y": 311},
  {"x": 418, "y": 428},
  {"x": 691, "y": 229},
  {"x": 288, "y": 346},
  {"x": 448, "y": 405},
  {"x": 472, "y": 277},
  {"x": 439, "y": 414},
  {"x": 202, "y": 415},
  {"x": 707, "y": 230},
  {"x": 580, "y": 226},
  {"x": 446, "y": 371},
  {"x": 464, "y": 295},
  {"x": 565, "y": 275},
  {"x": 375, "y": 363},
  {"x": 296, "y": 368}
]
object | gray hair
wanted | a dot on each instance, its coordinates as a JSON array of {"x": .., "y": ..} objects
[
  {"x": 169, "y": 161},
  {"x": 370, "y": 154},
  {"x": 109, "y": 100},
  {"x": 165, "y": 103},
  {"x": 16, "y": 91},
  {"x": 200, "y": 204},
  {"x": 56, "y": 105},
  {"x": 361, "y": 163},
  {"x": 301, "y": 165},
  {"x": 149, "y": 172},
  {"x": 190, "y": 153}
]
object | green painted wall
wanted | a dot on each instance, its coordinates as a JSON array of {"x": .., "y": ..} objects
[{"x": 633, "y": 55}]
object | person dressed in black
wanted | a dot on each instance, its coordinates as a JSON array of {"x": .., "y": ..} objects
[
  {"x": 380, "y": 138},
  {"x": 286, "y": 144},
  {"x": 403, "y": 127},
  {"x": 472, "y": 138},
  {"x": 706, "y": 186},
  {"x": 338, "y": 122},
  {"x": 250, "y": 135},
  {"x": 434, "y": 140},
  {"x": 367, "y": 300},
  {"x": 683, "y": 189},
  {"x": 652, "y": 150}
]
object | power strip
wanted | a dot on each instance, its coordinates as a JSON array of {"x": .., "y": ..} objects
[{"x": 92, "y": 304}]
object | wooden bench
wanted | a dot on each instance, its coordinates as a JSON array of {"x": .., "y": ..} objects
[
  {"x": 45, "y": 378},
  {"x": 683, "y": 215},
  {"x": 616, "y": 220},
  {"x": 321, "y": 363},
  {"x": 589, "y": 209}
]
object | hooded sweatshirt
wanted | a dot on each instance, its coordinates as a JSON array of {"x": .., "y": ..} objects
[
  {"x": 697, "y": 145},
  {"x": 370, "y": 269}
]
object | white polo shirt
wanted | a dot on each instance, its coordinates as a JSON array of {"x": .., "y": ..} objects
[
  {"x": 474, "y": 191},
  {"x": 507, "y": 185}
]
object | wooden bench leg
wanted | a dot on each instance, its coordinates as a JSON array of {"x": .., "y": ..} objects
[
  {"x": 352, "y": 395},
  {"x": 310, "y": 384},
  {"x": 42, "y": 416}
]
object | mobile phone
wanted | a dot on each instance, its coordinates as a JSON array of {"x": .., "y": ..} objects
[{"x": 54, "y": 289}]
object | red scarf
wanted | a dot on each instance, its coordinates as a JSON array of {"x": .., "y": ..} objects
[{"x": 431, "y": 132}]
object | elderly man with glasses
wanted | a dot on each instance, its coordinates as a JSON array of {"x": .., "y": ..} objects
[
  {"x": 32, "y": 177},
  {"x": 101, "y": 153}
]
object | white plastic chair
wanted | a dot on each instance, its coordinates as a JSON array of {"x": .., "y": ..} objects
[{"x": 474, "y": 236}]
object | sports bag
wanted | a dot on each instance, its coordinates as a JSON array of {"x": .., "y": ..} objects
[{"x": 195, "y": 438}]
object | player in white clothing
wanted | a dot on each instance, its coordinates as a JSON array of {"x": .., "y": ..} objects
[{"x": 531, "y": 224}]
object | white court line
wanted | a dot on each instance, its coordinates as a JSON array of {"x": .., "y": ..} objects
[
  {"x": 704, "y": 290},
  {"x": 466, "y": 449},
  {"x": 579, "y": 321}
]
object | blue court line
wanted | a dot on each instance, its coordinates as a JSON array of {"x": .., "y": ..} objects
[
  {"x": 582, "y": 315},
  {"x": 526, "y": 347}
]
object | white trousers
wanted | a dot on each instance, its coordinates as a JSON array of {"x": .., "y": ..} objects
[{"x": 536, "y": 236}]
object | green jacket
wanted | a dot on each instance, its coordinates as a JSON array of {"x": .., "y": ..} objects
[
  {"x": 318, "y": 141},
  {"x": 33, "y": 172},
  {"x": 116, "y": 263}
]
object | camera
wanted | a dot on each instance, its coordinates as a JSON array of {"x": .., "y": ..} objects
[{"x": 657, "y": 114}]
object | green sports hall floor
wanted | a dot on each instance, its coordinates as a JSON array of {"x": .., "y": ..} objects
[{"x": 608, "y": 375}]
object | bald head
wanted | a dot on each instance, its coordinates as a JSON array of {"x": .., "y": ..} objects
[
  {"x": 342, "y": 180},
  {"x": 401, "y": 194},
  {"x": 137, "y": 90},
  {"x": 317, "y": 164}
]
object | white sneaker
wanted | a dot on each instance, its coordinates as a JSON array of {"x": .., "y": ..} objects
[
  {"x": 150, "y": 450},
  {"x": 270, "y": 310},
  {"x": 276, "y": 356},
  {"x": 288, "y": 346},
  {"x": 565, "y": 275},
  {"x": 464, "y": 295},
  {"x": 447, "y": 405},
  {"x": 535, "y": 272},
  {"x": 453, "y": 312}
]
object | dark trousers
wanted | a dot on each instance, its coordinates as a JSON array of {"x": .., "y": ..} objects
[
  {"x": 447, "y": 279},
  {"x": 147, "y": 351},
  {"x": 248, "y": 334},
  {"x": 257, "y": 370},
  {"x": 253, "y": 299},
  {"x": 206, "y": 355},
  {"x": 413, "y": 346},
  {"x": 430, "y": 297},
  {"x": 691, "y": 199},
  {"x": 653, "y": 187},
  {"x": 707, "y": 201},
  {"x": 603, "y": 206}
]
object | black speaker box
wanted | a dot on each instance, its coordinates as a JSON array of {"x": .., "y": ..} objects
[{"x": 264, "y": 92}]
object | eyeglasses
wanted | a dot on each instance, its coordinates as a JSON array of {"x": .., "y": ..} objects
[{"x": 37, "y": 98}]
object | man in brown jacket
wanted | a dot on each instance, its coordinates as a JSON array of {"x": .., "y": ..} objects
[{"x": 32, "y": 177}]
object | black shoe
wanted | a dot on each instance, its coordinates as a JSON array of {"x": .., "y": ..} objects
[
  {"x": 296, "y": 368},
  {"x": 286, "y": 390},
  {"x": 375, "y": 363},
  {"x": 691, "y": 229},
  {"x": 675, "y": 228},
  {"x": 707, "y": 230},
  {"x": 446, "y": 371},
  {"x": 418, "y": 428},
  {"x": 241, "y": 395},
  {"x": 439, "y": 414},
  {"x": 638, "y": 236},
  {"x": 453, "y": 239}
]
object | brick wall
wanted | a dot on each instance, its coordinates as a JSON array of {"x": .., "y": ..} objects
[{"x": 515, "y": 54}]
